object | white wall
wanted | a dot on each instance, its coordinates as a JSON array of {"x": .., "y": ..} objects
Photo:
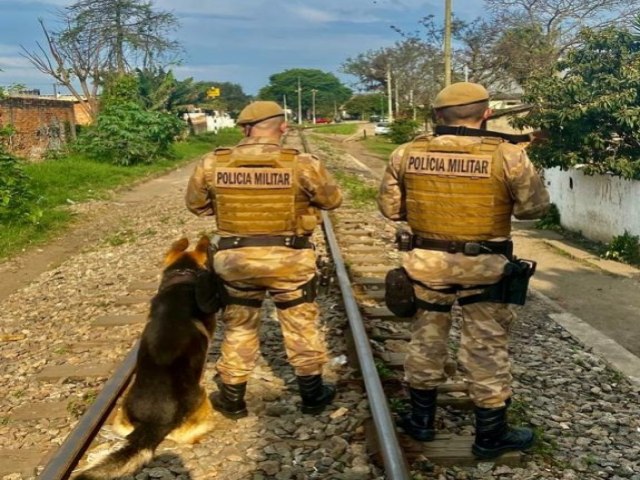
[{"x": 600, "y": 206}]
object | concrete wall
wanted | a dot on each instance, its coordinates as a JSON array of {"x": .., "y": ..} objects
[
  {"x": 40, "y": 124},
  {"x": 600, "y": 206}
]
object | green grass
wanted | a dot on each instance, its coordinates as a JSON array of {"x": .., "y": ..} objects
[
  {"x": 359, "y": 192},
  {"x": 74, "y": 179},
  {"x": 336, "y": 129},
  {"x": 380, "y": 145}
]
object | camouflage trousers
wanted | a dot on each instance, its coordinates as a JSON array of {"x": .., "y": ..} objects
[
  {"x": 281, "y": 272},
  {"x": 483, "y": 352}
]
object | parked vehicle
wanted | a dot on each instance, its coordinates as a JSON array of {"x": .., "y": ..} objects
[
  {"x": 323, "y": 120},
  {"x": 382, "y": 128}
]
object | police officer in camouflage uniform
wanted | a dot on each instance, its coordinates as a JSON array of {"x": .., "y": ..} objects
[
  {"x": 266, "y": 200},
  {"x": 457, "y": 190}
]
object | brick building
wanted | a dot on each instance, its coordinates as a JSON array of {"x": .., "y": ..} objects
[{"x": 40, "y": 123}]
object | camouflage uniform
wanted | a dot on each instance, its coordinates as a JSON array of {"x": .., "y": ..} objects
[
  {"x": 483, "y": 350},
  {"x": 281, "y": 271}
]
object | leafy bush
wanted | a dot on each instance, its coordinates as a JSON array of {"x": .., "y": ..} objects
[
  {"x": 18, "y": 202},
  {"x": 625, "y": 248},
  {"x": 403, "y": 130},
  {"x": 126, "y": 133},
  {"x": 590, "y": 109},
  {"x": 551, "y": 219}
]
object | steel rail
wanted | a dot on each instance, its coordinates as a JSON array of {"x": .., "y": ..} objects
[
  {"x": 394, "y": 461},
  {"x": 77, "y": 442},
  {"x": 395, "y": 464}
]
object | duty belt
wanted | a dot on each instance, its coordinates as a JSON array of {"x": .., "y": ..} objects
[
  {"x": 293, "y": 241},
  {"x": 468, "y": 248}
]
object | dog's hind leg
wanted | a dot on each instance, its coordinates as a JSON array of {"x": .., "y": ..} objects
[{"x": 197, "y": 424}]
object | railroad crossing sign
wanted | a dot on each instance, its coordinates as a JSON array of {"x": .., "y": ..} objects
[{"x": 213, "y": 92}]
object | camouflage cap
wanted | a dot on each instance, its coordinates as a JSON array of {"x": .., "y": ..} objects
[
  {"x": 257, "y": 111},
  {"x": 461, "y": 93}
]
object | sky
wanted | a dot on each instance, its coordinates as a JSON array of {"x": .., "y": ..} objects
[{"x": 242, "y": 41}]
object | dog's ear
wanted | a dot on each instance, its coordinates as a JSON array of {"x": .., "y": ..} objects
[
  {"x": 203, "y": 244},
  {"x": 177, "y": 248},
  {"x": 201, "y": 251}
]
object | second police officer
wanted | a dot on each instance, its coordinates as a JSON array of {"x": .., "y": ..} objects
[{"x": 457, "y": 190}]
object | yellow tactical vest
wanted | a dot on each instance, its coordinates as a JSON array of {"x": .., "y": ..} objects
[
  {"x": 456, "y": 192},
  {"x": 259, "y": 194}
]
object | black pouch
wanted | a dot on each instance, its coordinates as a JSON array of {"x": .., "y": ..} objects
[
  {"x": 209, "y": 296},
  {"x": 399, "y": 294}
]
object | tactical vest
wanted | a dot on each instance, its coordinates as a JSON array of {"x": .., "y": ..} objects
[
  {"x": 259, "y": 194},
  {"x": 456, "y": 192}
]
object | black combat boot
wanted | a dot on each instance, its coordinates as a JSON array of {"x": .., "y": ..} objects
[
  {"x": 495, "y": 437},
  {"x": 315, "y": 394},
  {"x": 229, "y": 400},
  {"x": 419, "y": 423}
]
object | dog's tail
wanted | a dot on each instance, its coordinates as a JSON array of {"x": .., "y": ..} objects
[{"x": 139, "y": 449}]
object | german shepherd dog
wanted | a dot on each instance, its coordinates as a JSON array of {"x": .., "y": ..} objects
[{"x": 166, "y": 398}]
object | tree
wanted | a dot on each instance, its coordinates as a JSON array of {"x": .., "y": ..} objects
[
  {"x": 330, "y": 92},
  {"x": 100, "y": 38},
  {"x": 416, "y": 64},
  {"x": 562, "y": 19},
  {"x": 591, "y": 108},
  {"x": 365, "y": 105},
  {"x": 525, "y": 38},
  {"x": 156, "y": 87}
]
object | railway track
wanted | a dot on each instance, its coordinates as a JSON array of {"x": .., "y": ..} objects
[
  {"x": 88, "y": 438},
  {"x": 354, "y": 439}
]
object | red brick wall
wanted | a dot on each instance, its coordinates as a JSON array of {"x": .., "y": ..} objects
[{"x": 40, "y": 124}]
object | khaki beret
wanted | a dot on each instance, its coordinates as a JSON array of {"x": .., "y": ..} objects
[
  {"x": 461, "y": 93},
  {"x": 257, "y": 111}
]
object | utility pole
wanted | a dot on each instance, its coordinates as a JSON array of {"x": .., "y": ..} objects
[
  {"x": 389, "y": 94},
  {"x": 313, "y": 104},
  {"x": 299, "y": 103},
  {"x": 447, "y": 43},
  {"x": 284, "y": 102}
]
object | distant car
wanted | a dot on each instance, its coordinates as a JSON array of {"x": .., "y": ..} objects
[
  {"x": 323, "y": 120},
  {"x": 382, "y": 128}
]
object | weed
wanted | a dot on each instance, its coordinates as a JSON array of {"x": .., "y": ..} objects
[
  {"x": 4, "y": 420},
  {"x": 398, "y": 405},
  {"x": 360, "y": 193},
  {"x": 383, "y": 370},
  {"x": 149, "y": 232},
  {"x": 339, "y": 129},
  {"x": 543, "y": 445},
  {"x": 615, "y": 376},
  {"x": 121, "y": 237},
  {"x": 77, "y": 406},
  {"x": 61, "y": 350},
  {"x": 624, "y": 248},
  {"x": 551, "y": 220}
]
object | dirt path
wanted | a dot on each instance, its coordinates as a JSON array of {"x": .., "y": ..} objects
[
  {"x": 607, "y": 301},
  {"x": 95, "y": 221}
]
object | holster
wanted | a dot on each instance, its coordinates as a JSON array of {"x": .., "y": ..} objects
[
  {"x": 399, "y": 294},
  {"x": 512, "y": 288},
  {"x": 309, "y": 294}
]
